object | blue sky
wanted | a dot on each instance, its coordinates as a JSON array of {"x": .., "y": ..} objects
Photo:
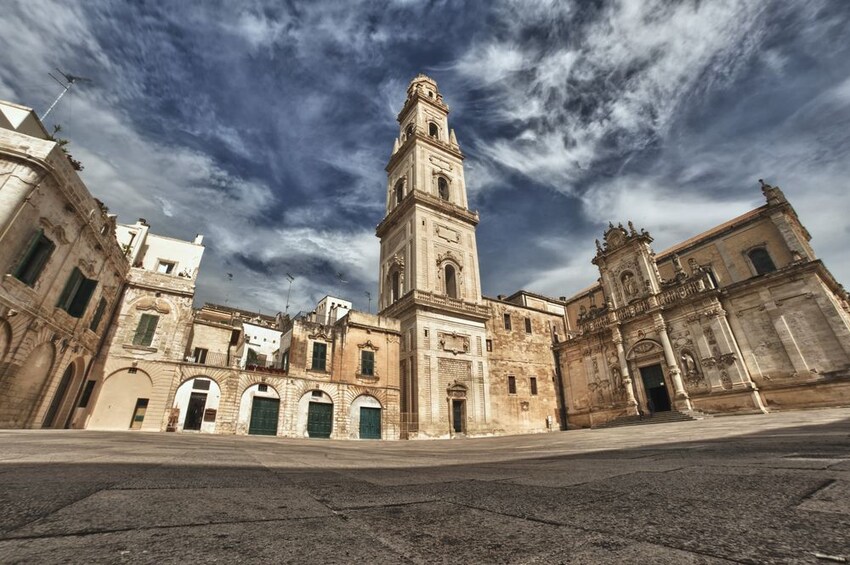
[{"x": 266, "y": 125}]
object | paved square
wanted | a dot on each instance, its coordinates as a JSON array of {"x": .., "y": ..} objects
[{"x": 752, "y": 489}]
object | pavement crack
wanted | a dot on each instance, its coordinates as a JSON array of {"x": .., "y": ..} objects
[{"x": 812, "y": 492}]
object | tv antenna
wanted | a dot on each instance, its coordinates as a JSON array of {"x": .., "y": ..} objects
[
  {"x": 70, "y": 80},
  {"x": 369, "y": 296},
  {"x": 288, "y": 292}
]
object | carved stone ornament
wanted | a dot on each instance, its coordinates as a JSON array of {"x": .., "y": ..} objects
[
  {"x": 644, "y": 347},
  {"x": 446, "y": 233},
  {"x": 397, "y": 260},
  {"x": 454, "y": 343},
  {"x": 55, "y": 232},
  {"x": 449, "y": 256},
  {"x": 152, "y": 303},
  {"x": 87, "y": 267},
  {"x": 320, "y": 335},
  {"x": 456, "y": 390},
  {"x": 368, "y": 345}
]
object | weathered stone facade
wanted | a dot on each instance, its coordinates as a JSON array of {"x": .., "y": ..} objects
[
  {"x": 62, "y": 273},
  {"x": 742, "y": 318}
]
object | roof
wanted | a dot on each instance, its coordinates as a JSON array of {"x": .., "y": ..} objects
[{"x": 708, "y": 234}]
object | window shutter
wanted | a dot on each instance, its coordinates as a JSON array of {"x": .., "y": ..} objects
[
  {"x": 70, "y": 289},
  {"x": 22, "y": 264},
  {"x": 80, "y": 300},
  {"x": 145, "y": 330},
  {"x": 98, "y": 315}
]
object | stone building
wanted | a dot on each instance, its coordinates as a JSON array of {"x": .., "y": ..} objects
[
  {"x": 62, "y": 273},
  {"x": 741, "y": 318},
  {"x": 148, "y": 339}
]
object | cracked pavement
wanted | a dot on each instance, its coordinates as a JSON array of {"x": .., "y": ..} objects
[{"x": 750, "y": 489}]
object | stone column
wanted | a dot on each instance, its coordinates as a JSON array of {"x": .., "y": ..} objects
[
  {"x": 617, "y": 338},
  {"x": 682, "y": 399}
]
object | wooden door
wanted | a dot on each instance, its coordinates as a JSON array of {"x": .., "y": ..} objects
[
  {"x": 370, "y": 423},
  {"x": 264, "y": 412},
  {"x": 320, "y": 419}
]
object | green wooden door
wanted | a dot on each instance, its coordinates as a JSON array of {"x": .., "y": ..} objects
[
  {"x": 264, "y": 416},
  {"x": 320, "y": 419},
  {"x": 370, "y": 423}
]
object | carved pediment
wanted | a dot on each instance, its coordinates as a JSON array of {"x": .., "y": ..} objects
[
  {"x": 449, "y": 256},
  {"x": 152, "y": 303},
  {"x": 87, "y": 267},
  {"x": 456, "y": 390},
  {"x": 644, "y": 347},
  {"x": 53, "y": 231},
  {"x": 320, "y": 335},
  {"x": 368, "y": 345}
]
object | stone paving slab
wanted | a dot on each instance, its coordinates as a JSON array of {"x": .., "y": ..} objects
[
  {"x": 323, "y": 540},
  {"x": 111, "y": 510}
]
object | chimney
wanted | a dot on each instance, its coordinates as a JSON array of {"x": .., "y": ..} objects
[{"x": 199, "y": 239}]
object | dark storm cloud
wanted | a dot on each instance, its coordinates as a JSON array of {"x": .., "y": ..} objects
[{"x": 266, "y": 125}]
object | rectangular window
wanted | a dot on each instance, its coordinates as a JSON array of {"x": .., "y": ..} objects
[
  {"x": 367, "y": 363},
  {"x": 98, "y": 315},
  {"x": 145, "y": 330},
  {"x": 86, "y": 396},
  {"x": 511, "y": 384},
  {"x": 76, "y": 294},
  {"x": 320, "y": 352},
  {"x": 528, "y": 325},
  {"x": 285, "y": 362},
  {"x": 489, "y": 345},
  {"x": 200, "y": 355},
  {"x": 32, "y": 263},
  {"x": 507, "y": 321},
  {"x": 165, "y": 267},
  {"x": 201, "y": 384},
  {"x": 532, "y": 383},
  {"x": 262, "y": 388}
]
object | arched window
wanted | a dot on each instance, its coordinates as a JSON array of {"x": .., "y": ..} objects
[
  {"x": 443, "y": 188},
  {"x": 409, "y": 130},
  {"x": 399, "y": 191},
  {"x": 451, "y": 281},
  {"x": 395, "y": 288},
  {"x": 433, "y": 131},
  {"x": 761, "y": 261}
]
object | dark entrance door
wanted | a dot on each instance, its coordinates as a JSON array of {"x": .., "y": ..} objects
[
  {"x": 59, "y": 397},
  {"x": 264, "y": 413},
  {"x": 195, "y": 411},
  {"x": 370, "y": 423},
  {"x": 320, "y": 419},
  {"x": 457, "y": 416},
  {"x": 656, "y": 390}
]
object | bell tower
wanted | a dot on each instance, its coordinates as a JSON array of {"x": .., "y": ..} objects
[{"x": 429, "y": 276}]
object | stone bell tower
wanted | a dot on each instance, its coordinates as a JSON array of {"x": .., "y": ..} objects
[{"x": 429, "y": 274}]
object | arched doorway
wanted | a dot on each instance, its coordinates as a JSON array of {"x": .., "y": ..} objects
[
  {"x": 366, "y": 417},
  {"x": 259, "y": 410},
  {"x": 26, "y": 387},
  {"x": 123, "y": 401},
  {"x": 646, "y": 356},
  {"x": 196, "y": 403},
  {"x": 315, "y": 414}
]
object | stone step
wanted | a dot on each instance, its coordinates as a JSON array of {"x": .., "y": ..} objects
[{"x": 657, "y": 418}]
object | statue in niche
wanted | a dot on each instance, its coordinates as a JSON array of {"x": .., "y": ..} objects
[
  {"x": 689, "y": 364},
  {"x": 629, "y": 285}
]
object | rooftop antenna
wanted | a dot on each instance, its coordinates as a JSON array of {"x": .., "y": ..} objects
[
  {"x": 70, "y": 80},
  {"x": 288, "y": 292},
  {"x": 369, "y": 296}
]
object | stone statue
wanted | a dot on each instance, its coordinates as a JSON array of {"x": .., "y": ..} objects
[
  {"x": 629, "y": 285},
  {"x": 689, "y": 365}
]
